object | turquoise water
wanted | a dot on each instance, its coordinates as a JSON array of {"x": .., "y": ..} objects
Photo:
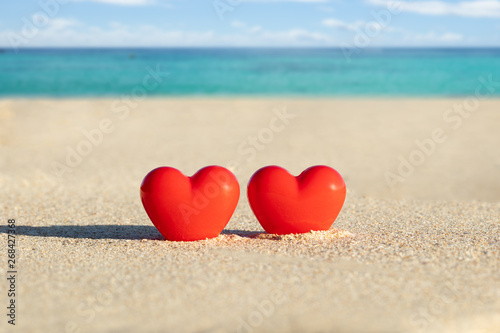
[{"x": 223, "y": 72}]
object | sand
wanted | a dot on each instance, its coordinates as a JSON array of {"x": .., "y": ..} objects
[{"x": 417, "y": 254}]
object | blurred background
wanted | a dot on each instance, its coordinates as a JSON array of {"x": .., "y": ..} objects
[
  {"x": 219, "y": 47},
  {"x": 378, "y": 59}
]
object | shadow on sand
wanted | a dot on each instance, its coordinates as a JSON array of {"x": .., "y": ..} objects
[{"x": 104, "y": 231}]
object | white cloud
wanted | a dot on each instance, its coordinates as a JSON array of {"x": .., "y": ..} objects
[
  {"x": 338, "y": 24},
  {"x": 255, "y": 29},
  {"x": 61, "y": 23},
  {"x": 327, "y": 9},
  {"x": 301, "y": 34},
  {"x": 65, "y": 32},
  {"x": 478, "y": 8},
  {"x": 435, "y": 37},
  {"x": 243, "y": 26},
  {"x": 238, "y": 24},
  {"x": 307, "y": 1},
  {"x": 123, "y": 2},
  {"x": 152, "y": 2},
  {"x": 295, "y": 34},
  {"x": 355, "y": 26},
  {"x": 451, "y": 37},
  {"x": 70, "y": 33}
]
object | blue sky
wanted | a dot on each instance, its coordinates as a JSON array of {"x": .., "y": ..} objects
[{"x": 115, "y": 23}]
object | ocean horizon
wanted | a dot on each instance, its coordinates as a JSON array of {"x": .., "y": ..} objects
[{"x": 336, "y": 72}]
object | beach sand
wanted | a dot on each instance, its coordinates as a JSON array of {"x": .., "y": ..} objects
[{"x": 416, "y": 247}]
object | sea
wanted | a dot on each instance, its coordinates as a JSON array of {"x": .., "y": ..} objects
[{"x": 370, "y": 72}]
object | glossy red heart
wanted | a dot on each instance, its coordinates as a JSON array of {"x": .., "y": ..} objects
[
  {"x": 190, "y": 208},
  {"x": 285, "y": 204}
]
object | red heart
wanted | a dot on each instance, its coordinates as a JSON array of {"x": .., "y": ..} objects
[
  {"x": 190, "y": 208},
  {"x": 285, "y": 204}
]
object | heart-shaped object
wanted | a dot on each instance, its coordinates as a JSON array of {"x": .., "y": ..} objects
[
  {"x": 285, "y": 204},
  {"x": 190, "y": 208}
]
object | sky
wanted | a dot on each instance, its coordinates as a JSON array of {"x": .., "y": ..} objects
[{"x": 249, "y": 23}]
